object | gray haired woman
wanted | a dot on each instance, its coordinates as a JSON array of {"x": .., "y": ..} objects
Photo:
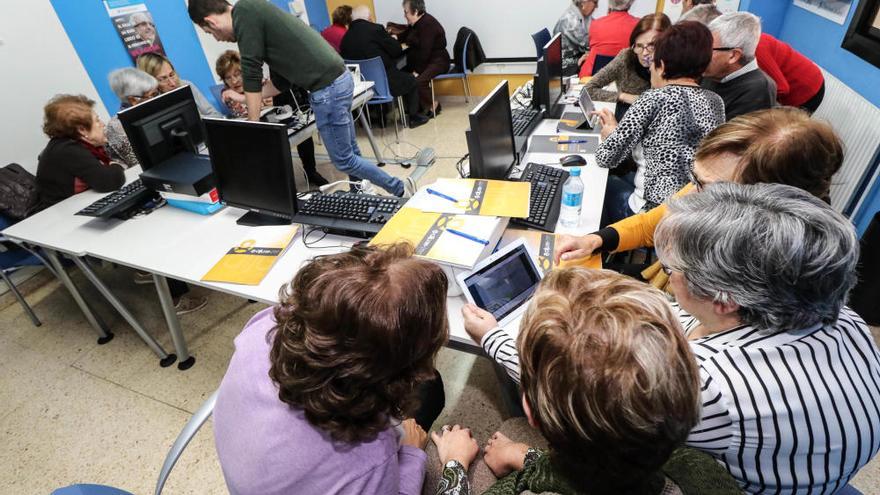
[
  {"x": 132, "y": 87},
  {"x": 574, "y": 24},
  {"x": 790, "y": 376}
]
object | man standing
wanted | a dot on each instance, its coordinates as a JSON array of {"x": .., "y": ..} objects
[
  {"x": 296, "y": 55},
  {"x": 733, "y": 72},
  {"x": 574, "y": 24}
]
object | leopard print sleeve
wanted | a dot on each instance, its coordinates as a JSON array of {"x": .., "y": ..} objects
[{"x": 630, "y": 130}]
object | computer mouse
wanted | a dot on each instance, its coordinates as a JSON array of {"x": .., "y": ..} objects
[{"x": 572, "y": 161}]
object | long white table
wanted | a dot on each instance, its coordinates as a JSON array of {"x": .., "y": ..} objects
[{"x": 175, "y": 243}]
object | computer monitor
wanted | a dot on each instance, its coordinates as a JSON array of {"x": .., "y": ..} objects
[
  {"x": 164, "y": 126},
  {"x": 254, "y": 170},
  {"x": 549, "y": 79},
  {"x": 491, "y": 144}
]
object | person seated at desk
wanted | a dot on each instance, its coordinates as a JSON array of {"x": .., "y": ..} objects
[
  {"x": 317, "y": 388},
  {"x": 609, "y": 381},
  {"x": 156, "y": 65},
  {"x": 366, "y": 39},
  {"x": 663, "y": 127},
  {"x": 574, "y": 24},
  {"x": 427, "y": 57},
  {"x": 610, "y": 34},
  {"x": 132, "y": 87},
  {"x": 228, "y": 68},
  {"x": 76, "y": 158},
  {"x": 629, "y": 70},
  {"x": 341, "y": 19},
  {"x": 789, "y": 374},
  {"x": 733, "y": 72}
]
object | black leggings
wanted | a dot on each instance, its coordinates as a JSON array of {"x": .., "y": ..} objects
[
  {"x": 813, "y": 103},
  {"x": 433, "y": 399}
]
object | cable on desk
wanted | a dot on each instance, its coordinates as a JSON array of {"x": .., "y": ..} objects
[
  {"x": 310, "y": 244},
  {"x": 459, "y": 166}
]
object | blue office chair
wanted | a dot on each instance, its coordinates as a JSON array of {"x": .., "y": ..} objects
[
  {"x": 600, "y": 62},
  {"x": 14, "y": 259},
  {"x": 189, "y": 431},
  {"x": 463, "y": 75},
  {"x": 217, "y": 91},
  {"x": 541, "y": 38},
  {"x": 373, "y": 69}
]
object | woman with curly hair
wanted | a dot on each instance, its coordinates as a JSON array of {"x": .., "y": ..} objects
[{"x": 316, "y": 390}]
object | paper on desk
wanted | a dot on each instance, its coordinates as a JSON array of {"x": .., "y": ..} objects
[
  {"x": 496, "y": 198},
  {"x": 544, "y": 244},
  {"x": 248, "y": 262}
]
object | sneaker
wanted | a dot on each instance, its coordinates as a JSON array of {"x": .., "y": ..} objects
[
  {"x": 409, "y": 187},
  {"x": 143, "y": 278},
  {"x": 188, "y": 304}
]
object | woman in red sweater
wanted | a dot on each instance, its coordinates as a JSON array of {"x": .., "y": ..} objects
[
  {"x": 609, "y": 34},
  {"x": 799, "y": 82},
  {"x": 334, "y": 33}
]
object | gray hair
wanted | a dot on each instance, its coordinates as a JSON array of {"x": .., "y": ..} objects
[
  {"x": 131, "y": 82},
  {"x": 738, "y": 30},
  {"x": 704, "y": 14},
  {"x": 139, "y": 17},
  {"x": 361, "y": 12},
  {"x": 620, "y": 4},
  {"x": 416, "y": 6},
  {"x": 784, "y": 256}
]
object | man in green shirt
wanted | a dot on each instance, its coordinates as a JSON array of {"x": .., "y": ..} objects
[{"x": 296, "y": 55}]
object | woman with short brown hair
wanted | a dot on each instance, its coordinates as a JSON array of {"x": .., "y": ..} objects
[{"x": 315, "y": 393}]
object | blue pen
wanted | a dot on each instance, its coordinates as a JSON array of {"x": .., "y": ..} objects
[
  {"x": 572, "y": 141},
  {"x": 468, "y": 236},
  {"x": 440, "y": 194}
]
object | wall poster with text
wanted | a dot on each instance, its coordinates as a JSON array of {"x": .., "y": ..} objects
[{"x": 135, "y": 26}]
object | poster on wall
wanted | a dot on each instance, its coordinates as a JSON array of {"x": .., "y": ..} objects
[
  {"x": 835, "y": 10},
  {"x": 135, "y": 26},
  {"x": 298, "y": 8}
]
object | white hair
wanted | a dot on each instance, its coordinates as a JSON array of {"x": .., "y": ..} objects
[
  {"x": 620, "y": 4},
  {"x": 139, "y": 17},
  {"x": 738, "y": 30},
  {"x": 361, "y": 12},
  {"x": 131, "y": 82},
  {"x": 704, "y": 14}
]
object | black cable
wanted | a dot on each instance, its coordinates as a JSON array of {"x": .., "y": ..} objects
[{"x": 459, "y": 166}]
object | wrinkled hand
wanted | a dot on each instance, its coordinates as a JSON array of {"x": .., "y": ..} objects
[
  {"x": 503, "y": 455},
  {"x": 457, "y": 444},
  {"x": 414, "y": 435},
  {"x": 583, "y": 59},
  {"x": 477, "y": 321},
  {"x": 569, "y": 247},
  {"x": 606, "y": 118}
]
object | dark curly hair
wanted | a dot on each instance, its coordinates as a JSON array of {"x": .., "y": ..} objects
[{"x": 357, "y": 333}]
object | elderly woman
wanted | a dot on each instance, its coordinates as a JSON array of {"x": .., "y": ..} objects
[
  {"x": 688, "y": 5},
  {"x": 663, "y": 127},
  {"x": 574, "y": 24},
  {"x": 334, "y": 33},
  {"x": 789, "y": 375},
  {"x": 614, "y": 434},
  {"x": 132, "y": 87},
  {"x": 610, "y": 34},
  {"x": 314, "y": 395},
  {"x": 75, "y": 159},
  {"x": 161, "y": 68}
]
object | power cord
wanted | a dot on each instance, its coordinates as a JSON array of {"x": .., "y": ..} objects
[{"x": 459, "y": 166}]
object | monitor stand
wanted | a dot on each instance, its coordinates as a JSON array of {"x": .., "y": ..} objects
[{"x": 254, "y": 219}]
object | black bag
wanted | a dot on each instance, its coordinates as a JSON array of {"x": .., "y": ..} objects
[
  {"x": 864, "y": 297},
  {"x": 18, "y": 191}
]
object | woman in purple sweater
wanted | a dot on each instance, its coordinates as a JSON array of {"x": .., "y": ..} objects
[{"x": 315, "y": 392}]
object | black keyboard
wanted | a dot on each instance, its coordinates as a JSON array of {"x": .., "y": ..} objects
[
  {"x": 523, "y": 120},
  {"x": 119, "y": 203},
  {"x": 358, "y": 215},
  {"x": 545, "y": 198}
]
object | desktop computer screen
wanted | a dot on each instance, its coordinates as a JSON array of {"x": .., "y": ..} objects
[
  {"x": 490, "y": 140},
  {"x": 163, "y": 126},
  {"x": 549, "y": 79},
  {"x": 253, "y": 168}
]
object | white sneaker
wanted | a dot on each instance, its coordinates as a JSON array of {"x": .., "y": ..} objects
[
  {"x": 188, "y": 304},
  {"x": 409, "y": 187}
]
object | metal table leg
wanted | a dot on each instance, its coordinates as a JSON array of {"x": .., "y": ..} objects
[
  {"x": 379, "y": 160},
  {"x": 186, "y": 361},
  {"x": 104, "y": 334},
  {"x": 165, "y": 358}
]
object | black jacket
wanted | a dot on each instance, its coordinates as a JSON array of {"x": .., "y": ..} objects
[
  {"x": 63, "y": 161},
  {"x": 475, "y": 54},
  {"x": 749, "y": 92},
  {"x": 364, "y": 40}
]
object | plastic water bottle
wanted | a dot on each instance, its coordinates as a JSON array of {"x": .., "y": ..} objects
[{"x": 572, "y": 199}]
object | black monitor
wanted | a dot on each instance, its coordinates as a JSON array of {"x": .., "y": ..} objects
[
  {"x": 164, "y": 126},
  {"x": 491, "y": 144},
  {"x": 549, "y": 79},
  {"x": 254, "y": 170}
]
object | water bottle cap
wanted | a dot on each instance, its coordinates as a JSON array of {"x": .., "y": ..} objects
[{"x": 575, "y": 172}]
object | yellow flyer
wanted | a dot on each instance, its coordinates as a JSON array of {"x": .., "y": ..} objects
[
  {"x": 248, "y": 262},
  {"x": 544, "y": 244},
  {"x": 494, "y": 198}
]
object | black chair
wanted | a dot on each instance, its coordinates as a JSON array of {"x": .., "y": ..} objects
[
  {"x": 600, "y": 62},
  {"x": 541, "y": 38}
]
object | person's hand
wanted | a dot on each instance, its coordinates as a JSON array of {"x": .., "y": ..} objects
[
  {"x": 627, "y": 98},
  {"x": 569, "y": 247},
  {"x": 609, "y": 123},
  {"x": 414, "y": 435},
  {"x": 477, "y": 321},
  {"x": 267, "y": 102},
  {"x": 455, "y": 444},
  {"x": 415, "y": 74},
  {"x": 503, "y": 455},
  {"x": 583, "y": 59}
]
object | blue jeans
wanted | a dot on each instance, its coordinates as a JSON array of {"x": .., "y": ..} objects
[
  {"x": 617, "y": 193},
  {"x": 332, "y": 107}
]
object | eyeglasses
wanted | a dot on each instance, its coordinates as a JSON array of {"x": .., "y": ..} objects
[
  {"x": 699, "y": 184},
  {"x": 666, "y": 270},
  {"x": 170, "y": 77},
  {"x": 146, "y": 96},
  {"x": 144, "y": 23},
  {"x": 724, "y": 48},
  {"x": 649, "y": 47}
]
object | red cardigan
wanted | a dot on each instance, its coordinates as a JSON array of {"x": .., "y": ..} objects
[
  {"x": 333, "y": 34},
  {"x": 797, "y": 78},
  {"x": 608, "y": 36}
]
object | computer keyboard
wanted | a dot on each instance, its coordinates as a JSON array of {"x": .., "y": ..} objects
[
  {"x": 120, "y": 202},
  {"x": 523, "y": 120},
  {"x": 359, "y": 215},
  {"x": 546, "y": 196}
]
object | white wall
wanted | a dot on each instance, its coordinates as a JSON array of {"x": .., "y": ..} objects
[{"x": 38, "y": 62}]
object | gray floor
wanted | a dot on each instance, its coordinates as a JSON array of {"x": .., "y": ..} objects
[{"x": 75, "y": 412}]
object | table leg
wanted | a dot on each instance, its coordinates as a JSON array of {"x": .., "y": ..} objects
[
  {"x": 186, "y": 361},
  {"x": 379, "y": 160},
  {"x": 104, "y": 334},
  {"x": 165, "y": 359}
]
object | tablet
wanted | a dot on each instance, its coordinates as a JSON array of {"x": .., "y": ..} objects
[
  {"x": 587, "y": 106},
  {"x": 503, "y": 283}
]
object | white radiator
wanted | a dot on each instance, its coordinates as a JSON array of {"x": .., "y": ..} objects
[{"x": 857, "y": 122}]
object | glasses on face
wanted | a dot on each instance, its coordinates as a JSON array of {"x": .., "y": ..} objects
[
  {"x": 170, "y": 77},
  {"x": 146, "y": 96},
  {"x": 724, "y": 48},
  {"x": 666, "y": 270},
  {"x": 699, "y": 184},
  {"x": 143, "y": 24},
  {"x": 644, "y": 47}
]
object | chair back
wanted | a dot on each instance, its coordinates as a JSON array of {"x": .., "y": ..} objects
[
  {"x": 217, "y": 91},
  {"x": 373, "y": 69},
  {"x": 541, "y": 38},
  {"x": 464, "y": 51},
  {"x": 600, "y": 62}
]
